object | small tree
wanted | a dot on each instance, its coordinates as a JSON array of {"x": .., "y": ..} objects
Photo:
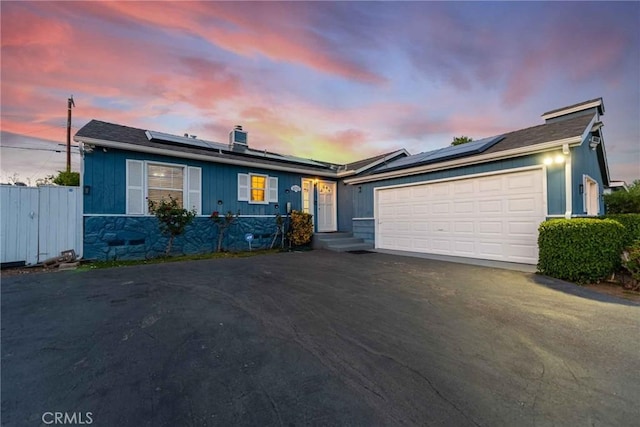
[
  {"x": 622, "y": 202},
  {"x": 173, "y": 218},
  {"x": 66, "y": 178},
  {"x": 223, "y": 224},
  {"x": 459, "y": 140}
]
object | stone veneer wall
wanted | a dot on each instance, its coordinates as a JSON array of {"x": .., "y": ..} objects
[{"x": 130, "y": 238}]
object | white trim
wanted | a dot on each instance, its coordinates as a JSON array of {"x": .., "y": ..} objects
[
  {"x": 568, "y": 181},
  {"x": 585, "y": 195},
  {"x": 312, "y": 199},
  {"x": 581, "y": 107},
  {"x": 193, "y": 156},
  {"x": 482, "y": 158},
  {"x": 363, "y": 219},
  {"x": 459, "y": 177},
  {"x": 129, "y": 188}
]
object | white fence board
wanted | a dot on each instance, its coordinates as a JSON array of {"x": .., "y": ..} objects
[{"x": 39, "y": 222}]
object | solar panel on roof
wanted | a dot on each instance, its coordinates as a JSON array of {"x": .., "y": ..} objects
[
  {"x": 442, "y": 154},
  {"x": 200, "y": 143},
  {"x": 184, "y": 140}
]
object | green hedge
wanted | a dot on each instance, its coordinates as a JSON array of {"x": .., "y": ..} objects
[
  {"x": 580, "y": 250},
  {"x": 631, "y": 223}
]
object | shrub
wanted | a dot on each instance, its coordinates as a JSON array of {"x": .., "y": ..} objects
[
  {"x": 620, "y": 202},
  {"x": 631, "y": 260},
  {"x": 631, "y": 224},
  {"x": 580, "y": 250},
  {"x": 172, "y": 218},
  {"x": 301, "y": 230}
]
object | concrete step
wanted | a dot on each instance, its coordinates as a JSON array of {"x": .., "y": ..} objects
[
  {"x": 350, "y": 247},
  {"x": 320, "y": 240},
  {"x": 343, "y": 241}
]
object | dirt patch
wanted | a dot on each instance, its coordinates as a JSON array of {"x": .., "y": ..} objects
[
  {"x": 16, "y": 271},
  {"x": 615, "y": 289}
]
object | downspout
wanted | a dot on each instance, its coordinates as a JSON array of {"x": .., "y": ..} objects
[{"x": 567, "y": 181}]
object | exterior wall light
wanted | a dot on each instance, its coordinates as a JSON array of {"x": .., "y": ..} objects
[
  {"x": 548, "y": 160},
  {"x": 559, "y": 159}
]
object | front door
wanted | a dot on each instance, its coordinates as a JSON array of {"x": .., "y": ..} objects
[{"x": 327, "y": 206}]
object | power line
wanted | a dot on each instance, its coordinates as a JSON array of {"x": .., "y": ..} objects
[{"x": 37, "y": 149}]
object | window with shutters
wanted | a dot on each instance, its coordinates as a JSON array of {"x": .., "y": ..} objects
[
  {"x": 156, "y": 181},
  {"x": 257, "y": 188}
]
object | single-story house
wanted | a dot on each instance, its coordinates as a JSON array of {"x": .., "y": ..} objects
[{"x": 484, "y": 199}]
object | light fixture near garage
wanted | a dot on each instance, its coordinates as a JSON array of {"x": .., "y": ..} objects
[{"x": 557, "y": 159}]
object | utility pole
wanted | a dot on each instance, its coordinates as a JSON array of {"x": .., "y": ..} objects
[{"x": 70, "y": 104}]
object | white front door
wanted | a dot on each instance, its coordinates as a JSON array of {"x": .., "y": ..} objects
[{"x": 327, "y": 206}]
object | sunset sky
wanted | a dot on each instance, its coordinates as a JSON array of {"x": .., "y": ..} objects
[{"x": 335, "y": 81}]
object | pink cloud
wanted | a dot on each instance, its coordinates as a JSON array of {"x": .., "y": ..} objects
[{"x": 249, "y": 30}]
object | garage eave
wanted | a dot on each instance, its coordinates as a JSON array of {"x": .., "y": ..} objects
[{"x": 482, "y": 158}]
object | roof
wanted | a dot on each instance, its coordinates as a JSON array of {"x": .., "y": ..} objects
[
  {"x": 592, "y": 103},
  {"x": 125, "y": 137},
  {"x": 529, "y": 137},
  {"x": 381, "y": 159}
]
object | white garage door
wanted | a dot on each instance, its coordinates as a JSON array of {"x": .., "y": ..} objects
[{"x": 492, "y": 217}]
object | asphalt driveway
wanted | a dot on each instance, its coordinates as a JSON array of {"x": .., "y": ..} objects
[{"x": 316, "y": 338}]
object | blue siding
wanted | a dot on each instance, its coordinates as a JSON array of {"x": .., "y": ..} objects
[
  {"x": 345, "y": 206},
  {"x": 105, "y": 172},
  {"x": 363, "y": 193},
  {"x": 585, "y": 162},
  {"x": 364, "y": 229}
]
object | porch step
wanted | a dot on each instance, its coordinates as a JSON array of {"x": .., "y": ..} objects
[
  {"x": 350, "y": 247},
  {"x": 339, "y": 242}
]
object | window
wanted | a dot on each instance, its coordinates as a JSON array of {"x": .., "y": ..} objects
[
  {"x": 257, "y": 188},
  {"x": 156, "y": 181},
  {"x": 164, "y": 181}
]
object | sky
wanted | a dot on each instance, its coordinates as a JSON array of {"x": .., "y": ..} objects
[{"x": 333, "y": 81}]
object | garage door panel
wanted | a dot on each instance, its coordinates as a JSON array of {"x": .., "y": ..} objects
[
  {"x": 491, "y": 217},
  {"x": 441, "y": 245},
  {"x": 443, "y": 226},
  {"x": 490, "y": 206},
  {"x": 463, "y": 227},
  {"x": 526, "y": 228},
  {"x": 463, "y": 187},
  {"x": 464, "y": 247},
  {"x": 440, "y": 208},
  {"x": 490, "y": 228},
  {"x": 518, "y": 205},
  {"x": 490, "y": 248},
  {"x": 463, "y": 207},
  {"x": 490, "y": 186}
]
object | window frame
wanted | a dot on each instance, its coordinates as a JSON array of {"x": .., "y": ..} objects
[
  {"x": 191, "y": 197},
  {"x": 265, "y": 189},
  {"x": 245, "y": 189}
]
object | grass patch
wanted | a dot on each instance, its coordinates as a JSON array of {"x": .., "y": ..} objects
[{"x": 94, "y": 265}]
